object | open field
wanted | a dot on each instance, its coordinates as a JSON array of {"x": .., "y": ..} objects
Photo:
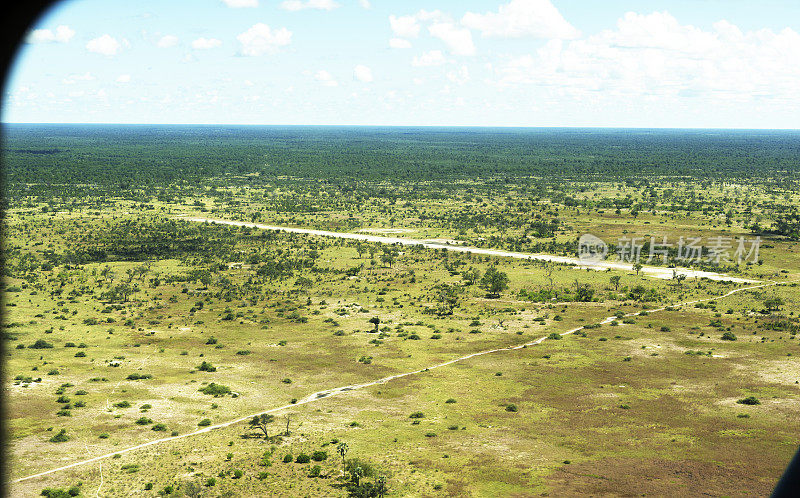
[{"x": 125, "y": 323}]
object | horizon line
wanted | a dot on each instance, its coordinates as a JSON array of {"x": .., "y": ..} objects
[{"x": 328, "y": 125}]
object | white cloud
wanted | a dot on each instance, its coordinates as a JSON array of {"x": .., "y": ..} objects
[
  {"x": 655, "y": 56},
  {"x": 404, "y": 26},
  {"x": 519, "y": 18},
  {"x": 325, "y": 78},
  {"x": 261, "y": 39},
  {"x": 105, "y": 45},
  {"x": 365, "y": 4},
  {"x": 295, "y": 5},
  {"x": 362, "y": 73},
  {"x": 399, "y": 43},
  {"x": 432, "y": 58},
  {"x": 459, "y": 77},
  {"x": 123, "y": 78},
  {"x": 206, "y": 43},
  {"x": 167, "y": 41},
  {"x": 71, "y": 79},
  {"x": 62, "y": 34},
  {"x": 458, "y": 40},
  {"x": 237, "y": 4}
]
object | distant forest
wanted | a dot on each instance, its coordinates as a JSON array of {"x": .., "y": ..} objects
[{"x": 125, "y": 156}]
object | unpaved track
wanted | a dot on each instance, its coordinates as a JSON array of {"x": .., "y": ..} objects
[
  {"x": 344, "y": 389},
  {"x": 650, "y": 271}
]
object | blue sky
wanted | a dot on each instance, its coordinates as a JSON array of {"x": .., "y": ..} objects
[{"x": 618, "y": 63}]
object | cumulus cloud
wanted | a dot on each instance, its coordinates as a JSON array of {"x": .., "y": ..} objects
[
  {"x": 167, "y": 41},
  {"x": 399, "y": 43},
  {"x": 325, "y": 78},
  {"x": 105, "y": 45},
  {"x": 365, "y": 4},
  {"x": 404, "y": 26},
  {"x": 458, "y": 40},
  {"x": 206, "y": 43},
  {"x": 655, "y": 55},
  {"x": 522, "y": 18},
  {"x": 62, "y": 34},
  {"x": 124, "y": 78},
  {"x": 261, "y": 39},
  {"x": 238, "y": 4},
  {"x": 295, "y": 5},
  {"x": 432, "y": 58},
  {"x": 362, "y": 73}
]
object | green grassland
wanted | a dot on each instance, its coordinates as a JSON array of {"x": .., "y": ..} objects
[{"x": 118, "y": 314}]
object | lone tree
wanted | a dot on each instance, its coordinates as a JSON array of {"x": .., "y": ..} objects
[
  {"x": 375, "y": 321},
  {"x": 615, "y": 281},
  {"x": 637, "y": 267},
  {"x": 261, "y": 422},
  {"x": 773, "y": 303},
  {"x": 341, "y": 448},
  {"x": 494, "y": 282}
]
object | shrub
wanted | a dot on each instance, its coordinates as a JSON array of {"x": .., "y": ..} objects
[
  {"x": 122, "y": 404},
  {"x": 237, "y": 474},
  {"x": 211, "y": 481},
  {"x": 315, "y": 471},
  {"x": 206, "y": 367},
  {"x": 450, "y": 400},
  {"x": 213, "y": 389},
  {"x": 511, "y": 407},
  {"x": 728, "y": 336},
  {"x": 136, "y": 376},
  {"x": 287, "y": 381},
  {"x": 41, "y": 344},
  {"x": 159, "y": 427},
  {"x": 319, "y": 456},
  {"x": 288, "y": 458},
  {"x": 750, "y": 400},
  {"x": 60, "y": 437},
  {"x": 417, "y": 415},
  {"x": 554, "y": 336},
  {"x": 204, "y": 423},
  {"x": 104, "y": 435},
  {"x": 302, "y": 458},
  {"x": 144, "y": 421}
]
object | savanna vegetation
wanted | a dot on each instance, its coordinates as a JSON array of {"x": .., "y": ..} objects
[{"x": 125, "y": 323}]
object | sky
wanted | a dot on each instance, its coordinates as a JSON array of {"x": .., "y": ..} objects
[{"x": 573, "y": 63}]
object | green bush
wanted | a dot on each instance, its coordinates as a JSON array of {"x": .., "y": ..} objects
[
  {"x": 60, "y": 437},
  {"x": 417, "y": 415},
  {"x": 213, "y": 389},
  {"x": 206, "y": 367},
  {"x": 511, "y": 407},
  {"x": 41, "y": 344},
  {"x": 319, "y": 456},
  {"x": 750, "y": 400},
  {"x": 204, "y": 423},
  {"x": 288, "y": 458},
  {"x": 728, "y": 336},
  {"x": 302, "y": 458}
]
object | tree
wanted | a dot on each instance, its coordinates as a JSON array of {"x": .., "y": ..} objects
[
  {"x": 375, "y": 321},
  {"x": 471, "y": 276},
  {"x": 342, "y": 448},
  {"x": 637, "y": 267},
  {"x": 261, "y": 422},
  {"x": 615, "y": 281},
  {"x": 773, "y": 303},
  {"x": 494, "y": 282},
  {"x": 446, "y": 297}
]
